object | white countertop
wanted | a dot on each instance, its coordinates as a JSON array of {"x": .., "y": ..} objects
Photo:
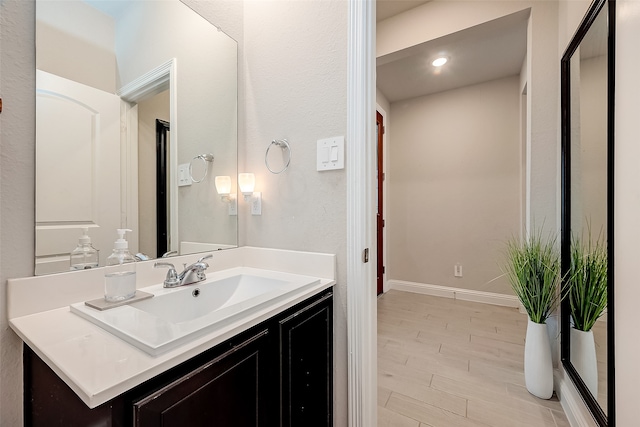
[{"x": 97, "y": 365}]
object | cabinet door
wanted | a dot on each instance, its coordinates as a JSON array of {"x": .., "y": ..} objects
[
  {"x": 306, "y": 354},
  {"x": 49, "y": 402},
  {"x": 231, "y": 390}
]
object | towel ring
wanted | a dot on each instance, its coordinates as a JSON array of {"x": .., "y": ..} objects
[
  {"x": 205, "y": 159},
  {"x": 283, "y": 144}
]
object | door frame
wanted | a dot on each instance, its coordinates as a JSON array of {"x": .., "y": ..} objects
[
  {"x": 360, "y": 170},
  {"x": 159, "y": 79}
]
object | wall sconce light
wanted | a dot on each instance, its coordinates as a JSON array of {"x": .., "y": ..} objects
[
  {"x": 223, "y": 187},
  {"x": 247, "y": 183}
]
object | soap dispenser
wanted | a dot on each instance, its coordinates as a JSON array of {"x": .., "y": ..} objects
[
  {"x": 120, "y": 276},
  {"x": 84, "y": 256}
]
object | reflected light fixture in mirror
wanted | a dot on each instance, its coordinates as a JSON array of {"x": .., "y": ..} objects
[
  {"x": 223, "y": 187},
  {"x": 247, "y": 183}
]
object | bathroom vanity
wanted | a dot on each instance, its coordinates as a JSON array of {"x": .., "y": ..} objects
[
  {"x": 279, "y": 372},
  {"x": 269, "y": 364}
]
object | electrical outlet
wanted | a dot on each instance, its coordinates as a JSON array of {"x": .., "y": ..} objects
[
  {"x": 256, "y": 203},
  {"x": 457, "y": 270}
]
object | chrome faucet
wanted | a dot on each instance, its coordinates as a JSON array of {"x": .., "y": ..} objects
[{"x": 193, "y": 273}]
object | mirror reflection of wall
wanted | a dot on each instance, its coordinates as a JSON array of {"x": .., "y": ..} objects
[
  {"x": 589, "y": 132},
  {"x": 92, "y": 171},
  {"x": 149, "y": 110}
]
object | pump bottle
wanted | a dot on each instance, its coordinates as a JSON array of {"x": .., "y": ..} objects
[
  {"x": 84, "y": 256},
  {"x": 120, "y": 276}
]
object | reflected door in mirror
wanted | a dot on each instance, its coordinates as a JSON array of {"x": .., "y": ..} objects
[{"x": 78, "y": 132}]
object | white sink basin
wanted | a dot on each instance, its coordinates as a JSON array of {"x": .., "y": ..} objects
[{"x": 175, "y": 316}]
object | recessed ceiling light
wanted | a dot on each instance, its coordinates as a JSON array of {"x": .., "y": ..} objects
[{"x": 439, "y": 62}]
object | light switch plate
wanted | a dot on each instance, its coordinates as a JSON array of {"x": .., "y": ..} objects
[
  {"x": 184, "y": 178},
  {"x": 330, "y": 153}
]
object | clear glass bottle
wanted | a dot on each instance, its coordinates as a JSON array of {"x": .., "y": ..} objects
[
  {"x": 120, "y": 276},
  {"x": 84, "y": 256}
]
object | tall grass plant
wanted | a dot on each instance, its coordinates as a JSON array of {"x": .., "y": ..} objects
[
  {"x": 587, "y": 279},
  {"x": 533, "y": 269}
]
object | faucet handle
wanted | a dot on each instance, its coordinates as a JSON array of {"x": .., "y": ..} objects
[
  {"x": 205, "y": 257},
  {"x": 172, "y": 275},
  {"x": 199, "y": 268}
]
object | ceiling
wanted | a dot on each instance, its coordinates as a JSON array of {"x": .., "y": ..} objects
[
  {"x": 388, "y": 8},
  {"x": 113, "y": 8},
  {"x": 488, "y": 51}
]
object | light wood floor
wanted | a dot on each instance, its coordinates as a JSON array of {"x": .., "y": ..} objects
[{"x": 449, "y": 363}]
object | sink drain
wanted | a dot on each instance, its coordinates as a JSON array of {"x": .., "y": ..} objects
[{"x": 196, "y": 292}]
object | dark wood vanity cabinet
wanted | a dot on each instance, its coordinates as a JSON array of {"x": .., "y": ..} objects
[
  {"x": 306, "y": 339},
  {"x": 231, "y": 390},
  {"x": 278, "y": 373}
]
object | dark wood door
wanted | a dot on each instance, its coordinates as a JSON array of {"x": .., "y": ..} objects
[
  {"x": 306, "y": 343},
  {"x": 232, "y": 390},
  {"x": 162, "y": 187},
  {"x": 380, "y": 217}
]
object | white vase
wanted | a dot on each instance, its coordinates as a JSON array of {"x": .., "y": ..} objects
[
  {"x": 538, "y": 367},
  {"x": 552, "y": 330},
  {"x": 583, "y": 358}
]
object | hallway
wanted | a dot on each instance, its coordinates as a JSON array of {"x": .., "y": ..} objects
[{"x": 449, "y": 363}]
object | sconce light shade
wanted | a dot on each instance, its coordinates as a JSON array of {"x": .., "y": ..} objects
[
  {"x": 223, "y": 186},
  {"x": 247, "y": 183}
]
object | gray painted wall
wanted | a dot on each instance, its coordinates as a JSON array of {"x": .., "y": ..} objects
[{"x": 454, "y": 185}]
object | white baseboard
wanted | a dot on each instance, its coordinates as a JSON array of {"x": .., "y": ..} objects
[
  {"x": 572, "y": 404},
  {"x": 455, "y": 293}
]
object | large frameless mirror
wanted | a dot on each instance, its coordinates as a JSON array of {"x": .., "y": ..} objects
[
  {"x": 136, "y": 115},
  {"x": 587, "y": 220}
]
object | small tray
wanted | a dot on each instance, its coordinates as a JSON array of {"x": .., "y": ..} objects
[{"x": 101, "y": 304}]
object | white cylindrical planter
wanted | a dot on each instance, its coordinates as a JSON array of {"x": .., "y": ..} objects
[
  {"x": 538, "y": 367},
  {"x": 583, "y": 358}
]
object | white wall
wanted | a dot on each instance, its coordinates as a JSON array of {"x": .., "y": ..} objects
[
  {"x": 382, "y": 101},
  {"x": 17, "y": 184},
  {"x": 627, "y": 212},
  {"x": 295, "y": 65},
  {"x": 454, "y": 185},
  {"x": 75, "y": 41}
]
